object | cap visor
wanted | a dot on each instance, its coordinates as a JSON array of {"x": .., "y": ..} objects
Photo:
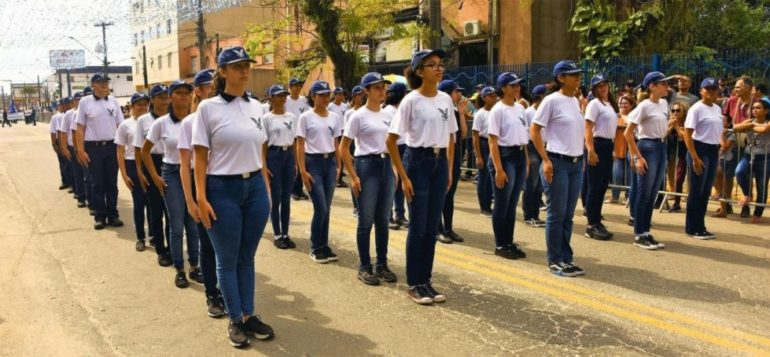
[
  {"x": 241, "y": 60},
  {"x": 279, "y": 93},
  {"x": 204, "y": 83},
  {"x": 325, "y": 91},
  {"x": 666, "y": 79},
  {"x": 439, "y": 52}
]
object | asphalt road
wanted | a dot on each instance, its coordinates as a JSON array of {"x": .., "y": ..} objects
[{"x": 67, "y": 290}]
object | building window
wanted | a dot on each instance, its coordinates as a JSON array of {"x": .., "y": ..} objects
[
  {"x": 195, "y": 64},
  {"x": 168, "y": 26},
  {"x": 130, "y": 78},
  {"x": 143, "y": 36},
  {"x": 160, "y": 62},
  {"x": 168, "y": 59},
  {"x": 157, "y": 30}
]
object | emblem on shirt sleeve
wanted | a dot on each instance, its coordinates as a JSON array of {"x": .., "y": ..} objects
[
  {"x": 257, "y": 121},
  {"x": 444, "y": 114}
]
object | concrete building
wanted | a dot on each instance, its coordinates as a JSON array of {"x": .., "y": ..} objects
[
  {"x": 156, "y": 41},
  {"x": 121, "y": 84}
]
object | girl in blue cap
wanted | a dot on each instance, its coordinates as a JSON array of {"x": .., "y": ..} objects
[
  {"x": 425, "y": 119},
  {"x": 232, "y": 190},
  {"x": 562, "y": 168},
  {"x": 480, "y": 128},
  {"x": 395, "y": 94},
  {"x": 319, "y": 165},
  {"x": 356, "y": 102},
  {"x": 446, "y": 234}
]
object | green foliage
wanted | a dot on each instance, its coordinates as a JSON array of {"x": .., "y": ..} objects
[{"x": 727, "y": 25}]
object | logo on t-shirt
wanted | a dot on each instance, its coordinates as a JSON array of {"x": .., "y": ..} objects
[
  {"x": 288, "y": 124},
  {"x": 444, "y": 114},
  {"x": 523, "y": 122},
  {"x": 111, "y": 111},
  {"x": 302, "y": 110},
  {"x": 331, "y": 131},
  {"x": 257, "y": 121},
  {"x": 386, "y": 122}
]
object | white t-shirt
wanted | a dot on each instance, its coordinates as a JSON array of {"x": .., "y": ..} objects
[
  {"x": 55, "y": 121},
  {"x": 651, "y": 118},
  {"x": 530, "y": 114},
  {"x": 65, "y": 123},
  {"x": 604, "y": 117},
  {"x": 166, "y": 131},
  {"x": 143, "y": 125},
  {"x": 706, "y": 121},
  {"x": 563, "y": 124},
  {"x": 340, "y": 109},
  {"x": 184, "y": 141},
  {"x": 369, "y": 129},
  {"x": 99, "y": 117},
  {"x": 297, "y": 106},
  {"x": 319, "y": 132},
  {"x": 509, "y": 124},
  {"x": 125, "y": 137},
  {"x": 73, "y": 123},
  {"x": 281, "y": 129},
  {"x": 481, "y": 122},
  {"x": 234, "y": 133},
  {"x": 426, "y": 122},
  {"x": 391, "y": 109},
  {"x": 346, "y": 117}
]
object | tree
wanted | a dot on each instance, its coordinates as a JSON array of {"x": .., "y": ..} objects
[{"x": 311, "y": 30}]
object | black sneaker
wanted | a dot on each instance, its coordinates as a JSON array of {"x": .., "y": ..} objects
[
  {"x": 355, "y": 213},
  {"x": 437, "y": 296},
  {"x": 254, "y": 326},
  {"x": 367, "y": 276},
  {"x": 236, "y": 331},
  {"x": 100, "y": 224},
  {"x": 506, "y": 252},
  {"x": 91, "y": 212},
  {"x": 140, "y": 246},
  {"x": 164, "y": 260},
  {"x": 745, "y": 211},
  {"x": 384, "y": 273},
  {"x": 709, "y": 234},
  {"x": 282, "y": 243},
  {"x": 393, "y": 224},
  {"x": 196, "y": 275},
  {"x": 645, "y": 243},
  {"x": 443, "y": 238},
  {"x": 534, "y": 222},
  {"x": 578, "y": 270},
  {"x": 596, "y": 232},
  {"x": 63, "y": 187},
  {"x": 562, "y": 269},
  {"x": 341, "y": 184},
  {"x": 486, "y": 213},
  {"x": 181, "y": 280},
  {"x": 81, "y": 204},
  {"x": 115, "y": 222},
  {"x": 655, "y": 243},
  {"x": 215, "y": 307},
  {"x": 631, "y": 221},
  {"x": 517, "y": 251},
  {"x": 296, "y": 197},
  {"x": 319, "y": 256},
  {"x": 403, "y": 222},
  {"x": 420, "y": 295},
  {"x": 675, "y": 208},
  {"x": 455, "y": 237},
  {"x": 330, "y": 254},
  {"x": 702, "y": 235},
  {"x": 303, "y": 196}
]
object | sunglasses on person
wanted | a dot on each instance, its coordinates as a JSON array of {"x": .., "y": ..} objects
[{"x": 676, "y": 110}]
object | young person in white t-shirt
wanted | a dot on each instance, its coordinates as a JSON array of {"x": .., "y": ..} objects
[
  {"x": 281, "y": 127},
  {"x": 165, "y": 132},
  {"x": 601, "y": 123},
  {"x": 232, "y": 189},
  {"x": 425, "y": 119},
  {"x": 371, "y": 178},
  {"x": 559, "y": 115},
  {"x": 480, "y": 128},
  {"x": 532, "y": 197},
  {"x": 356, "y": 102},
  {"x": 319, "y": 166},
  {"x": 339, "y": 107},
  {"x": 703, "y": 133},
  {"x": 124, "y": 138},
  {"x": 395, "y": 94},
  {"x": 67, "y": 146},
  {"x": 56, "y": 119},
  {"x": 508, "y": 139},
  {"x": 297, "y": 104},
  {"x": 203, "y": 89},
  {"x": 446, "y": 233},
  {"x": 651, "y": 117}
]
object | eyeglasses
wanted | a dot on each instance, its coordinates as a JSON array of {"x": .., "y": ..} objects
[
  {"x": 435, "y": 65},
  {"x": 676, "y": 110}
]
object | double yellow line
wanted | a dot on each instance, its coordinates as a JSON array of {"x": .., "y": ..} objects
[{"x": 571, "y": 291}]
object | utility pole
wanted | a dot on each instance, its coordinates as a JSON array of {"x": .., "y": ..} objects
[
  {"x": 69, "y": 83},
  {"x": 218, "y": 49},
  {"x": 104, "y": 25},
  {"x": 431, "y": 10},
  {"x": 61, "y": 87},
  {"x": 491, "y": 29},
  {"x": 144, "y": 65},
  {"x": 201, "y": 32}
]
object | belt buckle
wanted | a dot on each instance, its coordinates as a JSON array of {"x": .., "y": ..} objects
[
  {"x": 575, "y": 159},
  {"x": 326, "y": 156},
  {"x": 436, "y": 151},
  {"x": 246, "y": 175},
  {"x": 284, "y": 148},
  {"x": 383, "y": 155}
]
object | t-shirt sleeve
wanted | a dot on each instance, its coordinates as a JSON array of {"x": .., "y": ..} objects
[
  {"x": 119, "y": 115},
  {"x": 81, "y": 118},
  {"x": 54, "y": 123},
  {"x": 352, "y": 127},
  {"x": 139, "y": 134},
  {"x": 120, "y": 135},
  {"x": 495, "y": 120},
  {"x": 543, "y": 113},
  {"x": 636, "y": 115},
  {"x": 200, "y": 128},
  {"x": 693, "y": 115},
  {"x": 400, "y": 123},
  {"x": 453, "y": 127},
  {"x": 477, "y": 121},
  {"x": 155, "y": 132},
  {"x": 62, "y": 127},
  {"x": 592, "y": 111},
  {"x": 338, "y": 126},
  {"x": 302, "y": 126},
  {"x": 183, "y": 141}
]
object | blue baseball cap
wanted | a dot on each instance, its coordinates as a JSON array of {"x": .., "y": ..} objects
[
  {"x": 339, "y": 90},
  {"x": 65, "y": 100},
  {"x": 55, "y": 103},
  {"x": 566, "y": 67},
  {"x": 158, "y": 89},
  {"x": 294, "y": 81},
  {"x": 419, "y": 56},
  {"x": 356, "y": 90},
  {"x": 88, "y": 91},
  {"x": 320, "y": 87},
  {"x": 709, "y": 82},
  {"x": 507, "y": 78},
  {"x": 539, "y": 90},
  {"x": 598, "y": 79},
  {"x": 448, "y": 86},
  {"x": 233, "y": 54},
  {"x": 77, "y": 96},
  {"x": 277, "y": 89},
  {"x": 372, "y": 78},
  {"x": 203, "y": 77},
  {"x": 487, "y": 91},
  {"x": 177, "y": 84},
  {"x": 139, "y": 96},
  {"x": 654, "y": 77},
  {"x": 398, "y": 88},
  {"x": 99, "y": 76}
]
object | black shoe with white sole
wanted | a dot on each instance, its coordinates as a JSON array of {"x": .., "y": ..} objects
[
  {"x": 644, "y": 242},
  {"x": 384, "y": 273},
  {"x": 578, "y": 270},
  {"x": 319, "y": 256},
  {"x": 236, "y": 331},
  {"x": 562, "y": 269},
  {"x": 330, "y": 256},
  {"x": 366, "y": 275},
  {"x": 437, "y": 296},
  {"x": 655, "y": 243},
  {"x": 705, "y": 235},
  {"x": 255, "y": 327},
  {"x": 215, "y": 308},
  {"x": 420, "y": 295},
  {"x": 443, "y": 238}
]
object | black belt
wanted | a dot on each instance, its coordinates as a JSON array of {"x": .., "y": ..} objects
[
  {"x": 514, "y": 147},
  {"x": 374, "y": 156},
  {"x": 98, "y": 143},
  {"x": 660, "y": 140},
  {"x": 242, "y": 176},
  {"x": 706, "y": 144},
  {"x": 278, "y": 148},
  {"x": 324, "y": 156},
  {"x": 481, "y": 138},
  {"x": 429, "y": 151},
  {"x": 572, "y": 159},
  {"x": 604, "y": 139}
]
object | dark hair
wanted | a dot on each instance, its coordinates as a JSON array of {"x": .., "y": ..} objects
[
  {"x": 219, "y": 82},
  {"x": 762, "y": 88},
  {"x": 394, "y": 98},
  {"x": 746, "y": 81},
  {"x": 610, "y": 97},
  {"x": 555, "y": 85},
  {"x": 630, "y": 99},
  {"x": 412, "y": 78},
  {"x": 310, "y": 101},
  {"x": 764, "y": 104}
]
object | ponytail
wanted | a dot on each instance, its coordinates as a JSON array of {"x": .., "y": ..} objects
[{"x": 219, "y": 82}]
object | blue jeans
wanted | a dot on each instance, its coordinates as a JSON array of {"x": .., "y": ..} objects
[
  {"x": 158, "y": 213},
  {"x": 621, "y": 176},
  {"x": 324, "y": 173},
  {"x": 283, "y": 167},
  {"x": 398, "y": 195},
  {"x": 78, "y": 181},
  {"x": 103, "y": 170},
  {"x": 374, "y": 204},
  {"x": 533, "y": 188},
  {"x": 180, "y": 220},
  {"x": 484, "y": 186},
  {"x": 429, "y": 175},
  {"x": 208, "y": 259},
  {"x": 700, "y": 186},
  {"x": 561, "y": 199},
  {"x": 598, "y": 180},
  {"x": 448, "y": 213},
  {"x": 242, "y": 208},
  {"x": 654, "y": 152},
  {"x": 139, "y": 199},
  {"x": 64, "y": 169},
  {"x": 759, "y": 170},
  {"x": 507, "y": 198}
]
